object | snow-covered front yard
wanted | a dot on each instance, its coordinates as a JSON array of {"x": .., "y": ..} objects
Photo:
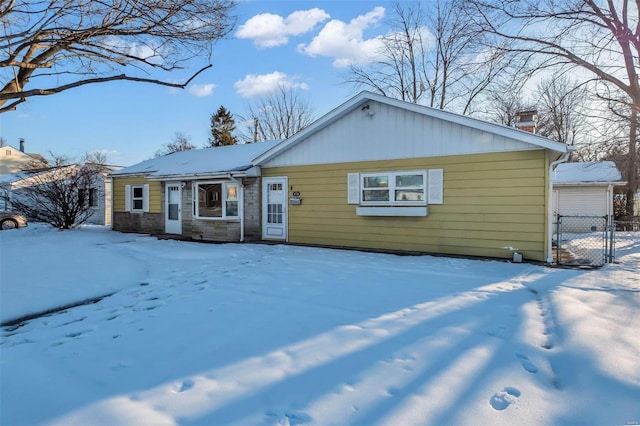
[{"x": 271, "y": 334}]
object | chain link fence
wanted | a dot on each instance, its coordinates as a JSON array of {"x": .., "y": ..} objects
[{"x": 584, "y": 241}]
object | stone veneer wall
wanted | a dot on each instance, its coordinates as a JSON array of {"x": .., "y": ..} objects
[
  {"x": 224, "y": 230},
  {"x": 146, "y": 223}
]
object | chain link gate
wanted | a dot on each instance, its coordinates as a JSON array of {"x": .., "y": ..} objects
[{"x": 584, "y": 240}]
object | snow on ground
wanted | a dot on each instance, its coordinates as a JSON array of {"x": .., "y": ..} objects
[{"x": 275, "y": 335}]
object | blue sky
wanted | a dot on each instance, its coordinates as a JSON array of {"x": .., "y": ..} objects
[{"x": 296, "y": 43}]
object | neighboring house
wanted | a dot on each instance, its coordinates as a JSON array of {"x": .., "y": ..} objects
[
  {"x": 99, "y": 195},
  {"x": 205, "y": 194},
  {"x": 585, "y": 189},
  {"x": 379, "y": 173},
  {"x": 13, "y": 160}
]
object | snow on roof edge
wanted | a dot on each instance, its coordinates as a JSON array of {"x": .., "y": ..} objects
[
  {"x": 199, "y": 161},
  {"x": 590, "y": 172}
]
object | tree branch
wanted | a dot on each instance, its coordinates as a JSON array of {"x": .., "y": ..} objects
[{"x": 58, "y": 89}]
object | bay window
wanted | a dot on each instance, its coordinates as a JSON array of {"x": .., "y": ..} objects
[{"x": 216, "y": 200}]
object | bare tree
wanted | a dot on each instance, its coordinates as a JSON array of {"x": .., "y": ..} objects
[
  {"x": 432, "y": 56},
  {"x": 504, "y": 107},
  {"x": 96, "y": 157},
  {"x": 58, "y": 195},
  {"x": 278, "y": 116},
  {"x": 611, "y": 143},
  {"x": 561, "y": 106},
  {"x": 181, "y": 142},
  {"x": 3, "y": 141},
  {"x": 49, "y": 46},
  {"x": 599, "y": 38}
]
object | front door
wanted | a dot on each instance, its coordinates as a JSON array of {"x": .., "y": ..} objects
[
  {"x": 274, "y": 208},
  {"x": 173, "y": 210}
]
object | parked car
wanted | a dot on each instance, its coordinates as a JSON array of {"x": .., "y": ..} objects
[{"x": 12, "y": 220}]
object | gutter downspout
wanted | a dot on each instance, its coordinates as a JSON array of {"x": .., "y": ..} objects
[
  {"x": 552, "y": 166},
  {"x": 240, "y": 205},
  {"x": 610, "y": 224},
  {"x": 111, "y": 203}
]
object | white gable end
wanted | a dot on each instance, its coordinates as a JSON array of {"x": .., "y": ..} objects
[{"x": 384, "y": 132}]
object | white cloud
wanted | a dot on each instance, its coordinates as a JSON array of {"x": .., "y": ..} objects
[
  {"x": 303, "y": 21},
  {"x": 201, "y": 89},
  {"x": 344, "y": 41},
  {"x": 270, "y": 30},
  {"x": 258, "y": 85},
  {"x": 27, "y": 116},
  {"x": 150, "y": 53}
]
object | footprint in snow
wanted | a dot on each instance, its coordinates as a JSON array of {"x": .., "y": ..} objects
[
  {"x": 501, "y": 400},
  {"x": 496, "y": 331},
  {"x": 526, "y": 364},
  {"x": 392, "y": 391},
  {"x": 186, "y": 385},
  {"x": 288, "y": 419}
]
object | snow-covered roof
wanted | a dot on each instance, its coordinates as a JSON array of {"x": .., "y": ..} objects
[
  {"x": 587, "y": 173},
  {"x": 206, "y": 161},
  {"x": 13, "y": 177}
]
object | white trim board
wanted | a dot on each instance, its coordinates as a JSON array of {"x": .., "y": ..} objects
[{"x": 392, "y": 211}]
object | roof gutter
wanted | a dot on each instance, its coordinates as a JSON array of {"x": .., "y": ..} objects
[
  {"x": 614, "y": 183},
  {"x": 195, "y": 176},
  {"x": 552, "y": 167}
]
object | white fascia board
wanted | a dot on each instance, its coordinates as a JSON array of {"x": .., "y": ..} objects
[
  {"x": 254, "y": 171},
  {"x": 616, "y": 183},
  {"x": 392, "y": 211},
  {"x": 197, "y": 176},
  {"x": 144, "y": 174},
  {"x": 463, "y": 120},
  {"x": 365, "y": 96}
]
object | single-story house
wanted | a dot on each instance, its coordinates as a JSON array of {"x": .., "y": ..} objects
[
  {"x": 585, "y": 188},
  {"x": 379, "y": 173},
  {"x": 374, "y": 173},
  {"x": 98, "y": 195},
  {"x": 208, "y": 194}
]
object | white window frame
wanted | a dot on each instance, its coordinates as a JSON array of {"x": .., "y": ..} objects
[
  {"x": 134, "y": 198},
  {"x": 128, "y": 201},
  {"x": 224, "y": 185},
  {"x": 391, "y": 178}
]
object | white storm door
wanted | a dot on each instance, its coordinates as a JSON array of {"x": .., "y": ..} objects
[
  {"x": 173, "y": 210},
  {"x": 274, "y": 208}
]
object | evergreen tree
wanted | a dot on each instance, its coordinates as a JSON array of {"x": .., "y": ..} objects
[{"x": 222, "y": 127}]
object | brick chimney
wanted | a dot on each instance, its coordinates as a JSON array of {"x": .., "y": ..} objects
[
  {"x": 21, "y": 144},
  {"x": 527, "y": 120}
]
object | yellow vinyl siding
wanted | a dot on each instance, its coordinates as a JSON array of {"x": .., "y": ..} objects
[
  {"x": 490, "y": 201},
  {"x": 155, "y": 193}
]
